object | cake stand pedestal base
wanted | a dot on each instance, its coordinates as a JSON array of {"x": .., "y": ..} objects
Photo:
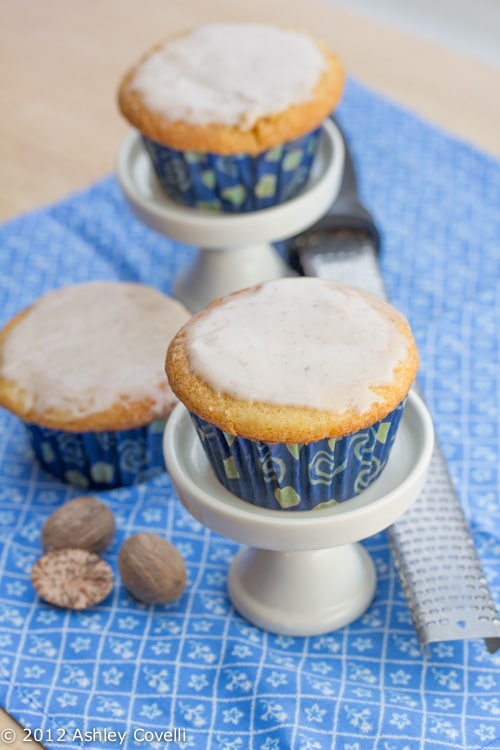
[
  {"x": 302, "y": 593},
  {"x": 216, "y": 273}
]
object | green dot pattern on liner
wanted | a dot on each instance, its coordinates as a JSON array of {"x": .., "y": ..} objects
[
  {"x": 236, "y": 183},
  {"x": 299, "y": 476},
  {"x": 100, "y": 460}
]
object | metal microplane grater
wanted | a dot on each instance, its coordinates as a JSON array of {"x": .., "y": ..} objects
[{"x": 440, "y": 571}]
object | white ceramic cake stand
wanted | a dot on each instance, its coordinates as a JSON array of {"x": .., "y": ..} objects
[
  {"x": 235, "y": 250},
  {"x": 303, "y": 573}
]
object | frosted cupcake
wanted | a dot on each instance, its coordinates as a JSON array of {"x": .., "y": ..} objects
[
  {"x": 296, "y": 388},
  {"x": 230, "y": 113},
  {"x": 83, "y": 368}
]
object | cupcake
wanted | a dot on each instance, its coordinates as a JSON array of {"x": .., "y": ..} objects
[
  {"x": 296, "y": 388},
  {"x": 230, "y": 113},
  {"x": 83, "y": 368}
]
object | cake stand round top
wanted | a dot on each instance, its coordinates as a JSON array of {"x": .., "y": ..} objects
[
  {"x": 374, "y": 509},
  {"x": 224, "y": 230}
]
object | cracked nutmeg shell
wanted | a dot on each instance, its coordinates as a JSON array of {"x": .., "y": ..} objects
[
  {"x": 82, "y": 523},
  {"x": 151, "y": 568},
  {"x": 72, "y": 578}
]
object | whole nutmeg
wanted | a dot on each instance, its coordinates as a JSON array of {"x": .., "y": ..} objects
[
  {"x": 83, "y": 523},
  {"x": 151, "y": 568}
]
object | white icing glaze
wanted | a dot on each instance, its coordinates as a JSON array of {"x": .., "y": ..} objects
[
  {"x": 305, "y": 341},
  {"x": 85, "y": 347},
  {"x": 229, "y": 73}
]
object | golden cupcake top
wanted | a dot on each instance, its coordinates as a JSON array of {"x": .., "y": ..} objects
[
  {"x": 200, "y": 89},
  {"x": 294, "y": 360},
  {"x": 90, "y": 357}
]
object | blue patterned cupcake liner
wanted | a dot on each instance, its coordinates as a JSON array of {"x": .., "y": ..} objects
[
  {"x": 237, "y": 183},
  {"x": 100, "y": 460},
  {"x": 299, "y": 476}
]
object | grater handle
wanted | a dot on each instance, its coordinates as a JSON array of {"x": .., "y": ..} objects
[{"x": 347, "y": 212}]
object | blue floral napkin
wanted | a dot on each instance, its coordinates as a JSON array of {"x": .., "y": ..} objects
[{"x": 194, "y": 674}]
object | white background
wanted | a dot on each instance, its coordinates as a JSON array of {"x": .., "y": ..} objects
[{"x": 471, "y": 27}]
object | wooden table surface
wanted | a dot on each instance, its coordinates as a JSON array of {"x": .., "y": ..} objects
[{"x": 60, "y": 129}]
